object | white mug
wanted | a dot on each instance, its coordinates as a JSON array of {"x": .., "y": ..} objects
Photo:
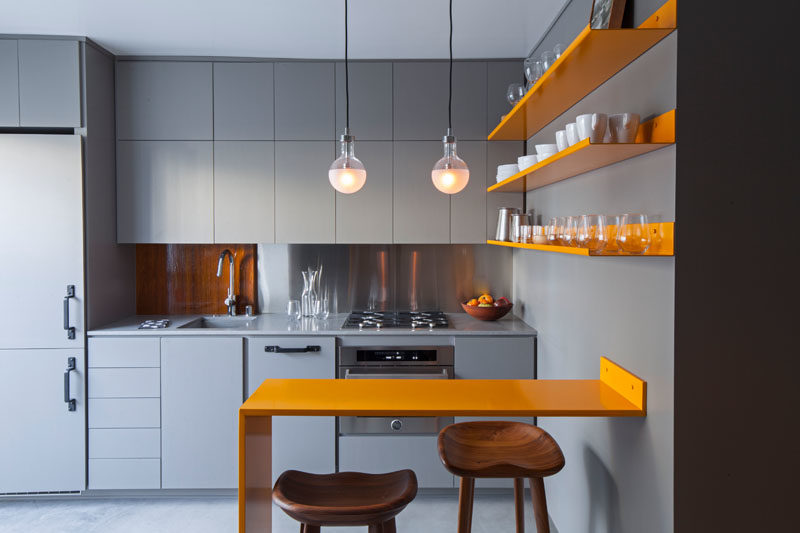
[
  {"x": 572, "y": 133},
  {"x": 592, "y": 126},
  {"x": 561, "y": 140},
  {"x": 623, "y": 127}
]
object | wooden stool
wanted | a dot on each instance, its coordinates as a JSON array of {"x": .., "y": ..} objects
[
  {"x": 500, "y": 449},
  {"x": 345, "y": 498}
]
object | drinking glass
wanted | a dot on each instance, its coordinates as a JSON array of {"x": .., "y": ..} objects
[
  {"x": 559, "y": 49},
  {"x": 568, "y": 231},
  {"x": 551, "y": 231},
  {"x": 548, "y": 58},
  {"x": 514, "y": 93},
  {"x": 526, "y": 234},
  {"x": 612, "y": 225},
  {"x": 633, "y": 234},
  {"x": 592, "y": 232},
  {"x": 293, "y": 309},
  {"x": 321, "y": 308},
  {"x": 533, "y": 70}
]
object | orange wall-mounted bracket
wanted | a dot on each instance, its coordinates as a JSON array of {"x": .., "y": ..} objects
[{"x": 631, "y": 387}]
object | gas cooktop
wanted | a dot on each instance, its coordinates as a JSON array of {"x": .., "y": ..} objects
[{"x": 395, "y": 319}]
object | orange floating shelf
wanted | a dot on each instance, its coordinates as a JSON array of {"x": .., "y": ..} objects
[
  {"x": 663, "y": 244},
  {"x": 585, "y": 156},
  {"x": 591, "y": 59}
]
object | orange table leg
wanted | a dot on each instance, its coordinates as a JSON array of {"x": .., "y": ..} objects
[{"x": 255, "y": 474}]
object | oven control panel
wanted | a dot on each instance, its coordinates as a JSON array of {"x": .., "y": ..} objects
[{"x": 365, "y": 356}]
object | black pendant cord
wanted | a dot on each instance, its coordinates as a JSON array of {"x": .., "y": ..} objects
[
  {"x": 450, "y": 97},
  {"x": 346, "y": 73}
]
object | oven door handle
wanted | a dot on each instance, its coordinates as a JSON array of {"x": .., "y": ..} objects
[{"x": 350, "y": 374}]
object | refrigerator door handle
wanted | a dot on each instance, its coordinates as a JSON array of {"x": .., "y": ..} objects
[
  {"x": 67, "y": 399},
  {"x": 69, "y": 329}
]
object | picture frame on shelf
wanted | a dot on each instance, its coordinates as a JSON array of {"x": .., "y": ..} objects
[{"x": 606, "y": 14}]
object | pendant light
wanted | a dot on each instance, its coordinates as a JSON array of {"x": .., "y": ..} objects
[
  {"x": 347, "y": 174},
  {"x": 450, "y": 174}
]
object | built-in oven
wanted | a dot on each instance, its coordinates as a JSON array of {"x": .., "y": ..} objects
[{"x": 394, "y": 362}]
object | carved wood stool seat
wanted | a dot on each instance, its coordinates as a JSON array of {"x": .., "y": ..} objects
[
  {"x": 345, "y": 498},
  {"x": 498, "y": 449}
]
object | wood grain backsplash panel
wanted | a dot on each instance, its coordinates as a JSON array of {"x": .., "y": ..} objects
[{"x": 174, "y": 279}]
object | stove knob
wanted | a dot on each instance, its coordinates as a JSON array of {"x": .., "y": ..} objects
[{"x": 396, "y": 424}]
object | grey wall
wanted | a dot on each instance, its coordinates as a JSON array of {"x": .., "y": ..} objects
[
  {"x": 384, "y": 277},
  {"x": 619, "y": 473},
  {"x": 110, "y": 268}
]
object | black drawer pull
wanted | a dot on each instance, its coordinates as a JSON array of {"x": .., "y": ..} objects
[{"x": 278, "y": 349}]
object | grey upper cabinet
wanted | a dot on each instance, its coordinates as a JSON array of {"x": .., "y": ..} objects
[
  {"x": 468, "y": 207},
  {"x": 164, "y": 100},
  {"x": 304, "y": 101},
  {"x": 244, "y": 191},
  {"x": 9, "y": 84},
  {"x": 201, "y": 391},
  {"x": 500, "y": 153},
  {"x": 372, "y": 203},
  {"x": 370, "y": 100},
  {"x": 421, "y": 94},
  {"x": 421, "y": 212},
  {"x": 49, "y": 83},
  {"x": 244, "y": 101},
  {"x": 500, "y": 75},
  {"x": 165, "y": 192},
  {"x": 304, "y": 199}
]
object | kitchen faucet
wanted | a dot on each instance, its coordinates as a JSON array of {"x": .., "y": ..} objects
[{"x": 230, "y": 301}]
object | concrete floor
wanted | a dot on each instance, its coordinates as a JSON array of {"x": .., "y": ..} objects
[{"x": 493, "y": 513}]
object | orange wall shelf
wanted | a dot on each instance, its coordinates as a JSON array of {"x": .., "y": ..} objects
[
  {"x": 663, "y": 244},
  {"x": 585, "y": 156},
  {"x": 591, "y": 59}
]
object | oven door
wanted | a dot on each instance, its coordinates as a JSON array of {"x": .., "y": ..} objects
[{"x": 388, "y": 425}]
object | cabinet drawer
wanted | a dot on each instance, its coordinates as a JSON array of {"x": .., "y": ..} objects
[
  {"x": 125, "y": 413},
  {"x": 124, "y": 383},
  {"x": 124, "y": 352},
  {"x": 376, "y": 454},
  {"x": 137, "y": 443},
  {"x": 263, "y": 364},
  {"x": 124, "y": 473}
]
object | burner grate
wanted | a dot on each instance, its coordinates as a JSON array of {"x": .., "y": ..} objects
[{"x": 378, "y": 320}]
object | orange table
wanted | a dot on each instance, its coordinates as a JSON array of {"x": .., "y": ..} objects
[{"x": 616, "y": 393}]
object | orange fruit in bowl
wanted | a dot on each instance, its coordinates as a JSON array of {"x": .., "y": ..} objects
[
  {"x": 473, "y": 303},
  {"x": 486, "y": 299}
]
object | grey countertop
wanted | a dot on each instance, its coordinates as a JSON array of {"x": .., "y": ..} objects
[{"x": 279, "y": 324}]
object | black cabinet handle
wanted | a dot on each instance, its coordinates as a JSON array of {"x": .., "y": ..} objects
[
  {"x": 278, "y": 349},
  {"x": 67, "y": 399},
  {"x": 69, "y": 329}
]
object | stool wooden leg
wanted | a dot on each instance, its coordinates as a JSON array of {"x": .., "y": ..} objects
[
  {"x": 466, "y": 493},
  {"x": 389, "y": 526},
  {"x": 375, "y": 528},
  {"x": 539, "y": 505},
  {"x": 519, "y": 503},
  {"x": 305, "y": 528}
]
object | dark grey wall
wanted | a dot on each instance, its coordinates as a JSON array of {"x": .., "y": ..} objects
[{"x": 736, "y": 319}]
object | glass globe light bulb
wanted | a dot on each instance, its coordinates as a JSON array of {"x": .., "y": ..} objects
[
  {"x": 450, "y": 174},
  {"x": 347, "y": 173}
]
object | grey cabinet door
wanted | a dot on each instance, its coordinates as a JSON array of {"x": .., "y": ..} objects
[
  {"x": 43, "y": 447},
  {"x": 372, "y": 203},
  {"x": 499, "y": 75},
  {"x": 9, "y": 84},
  {"x": 244, "y": 102},
  {"x": 468, "y": 207},
  {"x": 421, "y": 213},
  {"x": 305, "y": 204},
  {"x": 500, "y": 153},
  {"x": 165, "y": 192},
  {"x": 201, "y": 391},
  {"x": 41, "y": 177},
  {"x": 370, "y": 100},
  {"x": 49, "y": 84},
  {"x": 244, "y": 191},
  {"x": 164, "y": 100},
  {"x": 421, "y": 95},
  {"x": 304, "y": 101},
  {"x": 305, "y": 443}
]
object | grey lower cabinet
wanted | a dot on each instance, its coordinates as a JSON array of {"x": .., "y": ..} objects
[
  {"x": 165, "y": 192},
  {"x": 9, "y": 84},
  {"x": 494, "y": 358},
  {"x": 49, "y": 83},
  {"x": 201, "y": 391},
  {"x": 244, "y": 191}
]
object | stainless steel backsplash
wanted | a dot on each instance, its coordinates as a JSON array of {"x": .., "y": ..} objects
[{"x": 384, "y": 276}]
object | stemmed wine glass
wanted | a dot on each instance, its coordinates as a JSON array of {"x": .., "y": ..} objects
[
  {"x": 533, "y": 71},
  {"x": 514, "y": 93}
]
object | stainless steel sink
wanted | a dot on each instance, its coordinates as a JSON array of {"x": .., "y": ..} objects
[{"x": 220, "y": 322}]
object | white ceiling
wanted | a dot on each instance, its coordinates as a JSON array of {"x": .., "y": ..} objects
[{"x": 385, "y": 29}]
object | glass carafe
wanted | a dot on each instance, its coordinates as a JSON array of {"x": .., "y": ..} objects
[{"x": 309, "y": 295}]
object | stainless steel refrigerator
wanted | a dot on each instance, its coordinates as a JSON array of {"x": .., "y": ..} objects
[{"x": 42, "y": 340}]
